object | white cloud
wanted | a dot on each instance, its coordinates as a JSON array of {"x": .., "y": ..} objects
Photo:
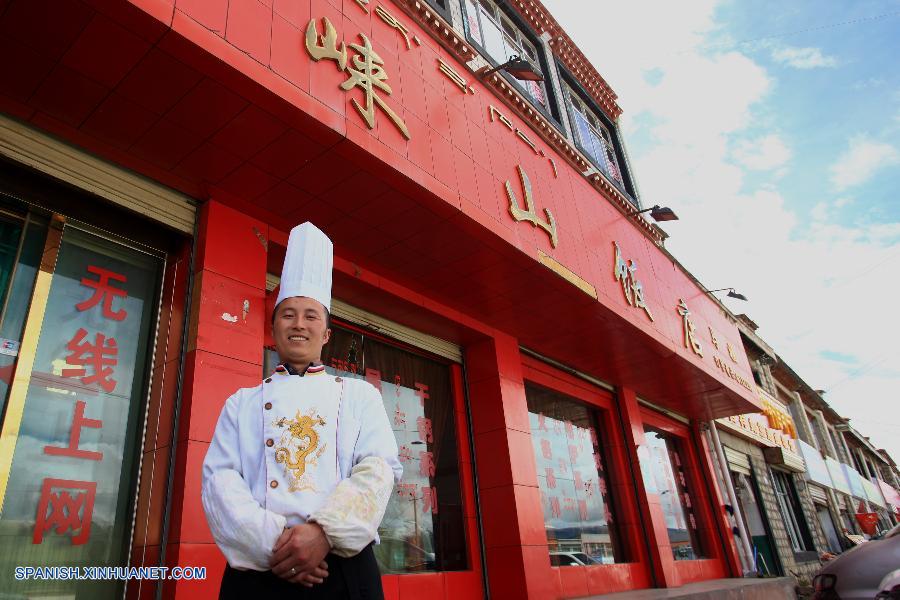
[
  {"x": 862, "y": 160},
  {"x": 843, "y": 201},
  {"x": 803, "y": 58},
  {"x": 762, "y": 154},
  {"x": 700, "y": 116}
]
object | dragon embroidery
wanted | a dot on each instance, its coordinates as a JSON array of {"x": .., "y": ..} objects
[{"x": 297, "y": 443}]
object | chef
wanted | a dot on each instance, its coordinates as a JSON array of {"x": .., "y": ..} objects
[{"x": 301, "y": 467}]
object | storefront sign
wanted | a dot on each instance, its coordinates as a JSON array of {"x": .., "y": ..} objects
[
  {"x": 873, "y": 493},
  {"x": 366, "y": 71},
  {"x": 756, "y": 427},
  {"x": 891, "y": 496},
  {"x": 529, "y": 214},
  {"x": 631, "y": 287},
  {"x": 855, "y": 481},
  {"x": 816, "y": 469},
  {"x": 838, "y": 478},
  {"x": 731, "y": 373},
  {"x": 455, "y": 77},
  {"x": 691, "y": 339}
]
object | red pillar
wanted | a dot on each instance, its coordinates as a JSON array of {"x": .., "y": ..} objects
[
  {"x": 719, "y": 522},
  {"x": 225, "y": 348},
  {"x": 658, "y": 547},
  {"x": 514, "y": 537}
]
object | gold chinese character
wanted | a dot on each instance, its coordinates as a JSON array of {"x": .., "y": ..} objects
[
  {"x": 714, "y": 338},
  {"x": 731, "y": 353},
  {"x": 638, "y": 289},
  {"x": 364, "y": 4},
  {"x": 503, "y": 119},
  {"x": 690, "y": 333},
  {"x": 366, "y": 71},
  {"x": 623, "y": 273},
  {"x": 527, "y": 140},
  {"x": 528, "y": 214},
  {"x": 392, "y": 21},
  {"x": 631, "y": 287},
  {"x": 453, "y": 76},
  {"x": 325, "y": 45},
  {"x": 368, "y": 75}
]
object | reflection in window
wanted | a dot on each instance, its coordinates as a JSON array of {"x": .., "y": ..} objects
[
  {"x": 501, "y": 39},
  {"x": 662, "y": 467},
  {"x": 71, "y": 487},
  {"x": 575, "y": 493},
  {"x": 594, "y": 138},
  {"x": 424, "y": 527}
]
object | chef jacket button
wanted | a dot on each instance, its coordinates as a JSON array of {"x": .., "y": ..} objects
[
  {"x": 270, "y": 442},
  {"x": 268, "y": 406},
  {"x": 273, "y": 484},
  {"x": 338, "y": 379},
  {"x": 268, "y": 380}
]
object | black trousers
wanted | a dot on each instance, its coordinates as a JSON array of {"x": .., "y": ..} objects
[{"x": 354, "y": 578}]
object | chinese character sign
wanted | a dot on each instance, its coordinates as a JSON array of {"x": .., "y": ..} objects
[
  {"x": 365, "y": 70},
  {"x": 624, "y": 273},
  {"x": 78, "y": 448}
]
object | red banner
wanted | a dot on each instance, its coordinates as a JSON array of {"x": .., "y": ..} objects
[{"x": 868, "y": 522}]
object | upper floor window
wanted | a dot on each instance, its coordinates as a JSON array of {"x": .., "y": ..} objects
[
  {"x": 502, "y": 39},
  {"x": 593, "y": 138},
  {"x": 442, "y": 6}
]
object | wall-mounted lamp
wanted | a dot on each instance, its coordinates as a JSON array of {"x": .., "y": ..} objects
[
  {"x": 731, "y": 293},
  {"x": 659, "y": 213},
  {"x": 517, "y": 67}
]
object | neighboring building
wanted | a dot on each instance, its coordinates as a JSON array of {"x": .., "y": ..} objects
[
  {"x": 832, "y": 473},
  {"x": 548, "y": 367},
  {"x": 765, "y": 468},
  {"x": 545, "y": 362}
]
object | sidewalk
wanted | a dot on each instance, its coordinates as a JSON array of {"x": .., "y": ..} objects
[{"x": 716, "y": 589}]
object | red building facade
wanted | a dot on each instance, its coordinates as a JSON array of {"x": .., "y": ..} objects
[{"x": 546, "y": 363}]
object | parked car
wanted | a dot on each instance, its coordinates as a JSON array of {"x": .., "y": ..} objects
[
  {"x": 570, "y": 559},
  {"x": 857, "y": 574},
  {"x": 889, "y": 589}
]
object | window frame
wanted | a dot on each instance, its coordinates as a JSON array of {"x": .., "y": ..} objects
[
  {"x": 445, "y": 11},
  {"x": 702, "y": 497},
  {"x": 789, "y": 506},
  {"x": 623, "y": 497},
  {"x": 573, "y": 90},
  {"x": 551, "y": 110}
]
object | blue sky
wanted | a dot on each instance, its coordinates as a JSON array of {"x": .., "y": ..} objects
[{"x": 773, "y": 130}]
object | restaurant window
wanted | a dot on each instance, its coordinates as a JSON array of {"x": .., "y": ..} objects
[
  {"x": 791, "y": 512},
  {"x": 500, "y": 38},
  {"x": 593, "y": 137},
  {"x": 663, "y": 469},
  {"x": 424, "y": 526},
  {"x": 572, "y": 477},
  {"x": 84, "y": 326}
]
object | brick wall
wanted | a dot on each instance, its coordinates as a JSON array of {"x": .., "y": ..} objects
[{"x": 772, "y": 514}]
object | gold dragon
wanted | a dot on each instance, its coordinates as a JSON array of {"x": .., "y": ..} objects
[{"x": 300, "y": 434}]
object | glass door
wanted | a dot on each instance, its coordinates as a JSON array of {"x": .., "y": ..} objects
[
  {"x": 21, "y": 242},
  {"x": 74, "y": 407}
]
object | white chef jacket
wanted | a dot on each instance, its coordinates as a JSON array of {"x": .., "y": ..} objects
[{"x": 292, "y": 450}]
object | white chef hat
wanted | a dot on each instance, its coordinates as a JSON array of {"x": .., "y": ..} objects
[{"x": 307, "y": 265}]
